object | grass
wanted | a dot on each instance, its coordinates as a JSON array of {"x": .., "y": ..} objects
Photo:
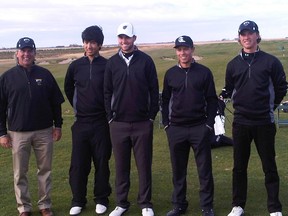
[{"x": 215, "y": 56}]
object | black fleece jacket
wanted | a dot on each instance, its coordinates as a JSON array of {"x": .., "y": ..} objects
[
  {"x": 256, "y": 88},
  {"x": 84, "y": 88},
  {"x": 189, "y": 98},
  {"x": 29, "y": 100},
  {"x": 131, "y": 92}
]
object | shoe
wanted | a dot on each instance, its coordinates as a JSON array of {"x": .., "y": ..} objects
[
  {"x": 147, "y": 212},
  {"x": 236, "y": 211},
  {"x": 100, "y": 209},
  {"x": 176, "y": 212},
  {"x": 276, "y": 214},
  {"x": 118, "y": 211},
  {"x": 75, "y": 210},
  {"x": 208, "y": 212},
  {"x": 46, "y": 212},
  {"x": 25, "y": 214}
]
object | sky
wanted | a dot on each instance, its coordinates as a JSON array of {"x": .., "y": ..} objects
[{"x": 60, "y": 22}]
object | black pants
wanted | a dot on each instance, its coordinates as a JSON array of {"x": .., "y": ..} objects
[
  {"x": 90, "y": 141},
  {"x": 125, "y": 137},
  {"x": 181, "y": 139},
  {"x": 264, "y": 138}
]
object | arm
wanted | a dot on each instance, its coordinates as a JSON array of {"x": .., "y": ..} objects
[
  {"x": 166, "y": 96},
  {"x": 3, "y": 108},
  {"x": 57, "y": 100},
  {"x": 212, "y": 101},
  {"x": 154, "y": 91},
  {"x": 279, "y": 82},
  {"x": 69, "y": 85},
  {"x": 108, "y": 91},
  {"x": 229, "y": 86}
]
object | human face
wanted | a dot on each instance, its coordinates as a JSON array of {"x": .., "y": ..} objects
[
  {"x": 126, "y": 43},
  {"x": 248, "y": 41},
  {"x": 91, "y": 48},
  {"x": 26, "y": 57},
  {"x": 184, "y": 55}
]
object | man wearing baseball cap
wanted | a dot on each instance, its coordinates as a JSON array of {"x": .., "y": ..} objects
[
  {"x": 132, "y": 101},
  {"x": 256, "y": 83},
  {"x": 189, "y": 105},
  {"x": 30, "y": 103}
]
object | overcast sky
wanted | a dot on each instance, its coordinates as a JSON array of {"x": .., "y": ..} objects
[{"x": 60, "y": 22}]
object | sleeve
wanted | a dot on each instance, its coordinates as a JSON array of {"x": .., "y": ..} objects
[
  {"x": 69, "y": 85},
  {"x": 154, "y": 91},
  {"x": 211, "y": 99},
  {"x": 166, "y": 96},
  {"x": 3, "y": 108},
  {"x": 108, "y": 90},
  {"x": 229, "y": 86},
  {"x": 279, "y": 82},
  {"x": 57, "y": 100}
]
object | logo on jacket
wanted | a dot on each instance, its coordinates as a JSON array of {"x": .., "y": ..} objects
[{"x": 39, "y": 82}]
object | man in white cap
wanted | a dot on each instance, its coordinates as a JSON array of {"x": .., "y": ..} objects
[{"x": 131, "y": 94}]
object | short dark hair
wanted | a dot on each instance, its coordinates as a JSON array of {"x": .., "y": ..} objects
[{"x": 93, "y": 33}]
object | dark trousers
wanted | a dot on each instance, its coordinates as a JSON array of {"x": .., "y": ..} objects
[
  {"x": 90, "y": 141},
  {"x": 181, "y": 139},
  {"x": 125, "y": 137},
  {"x": 264, "y": 138}
]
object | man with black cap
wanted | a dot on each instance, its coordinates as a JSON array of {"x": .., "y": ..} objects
[
  {"x": 189, "y": 105},
  {"x": 132, "y": 102},
  {"x": 90, "y": 132},
  {"x": 30, "y": 103},
  {"x": 256, "y": 83}
]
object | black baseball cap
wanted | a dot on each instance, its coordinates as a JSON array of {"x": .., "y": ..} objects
[
  {"x": 183, "y": 41},
  {"x": 248, "y": 25},
  {"x": 25, "y": 42}
]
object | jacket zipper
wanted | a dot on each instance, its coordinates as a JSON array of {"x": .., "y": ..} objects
[
  {"x": 249, "y": 64},
  {"x": 90, "y": 72},
  {"x": 186, "y": 79},
  {"x": 29, "y": 83}
]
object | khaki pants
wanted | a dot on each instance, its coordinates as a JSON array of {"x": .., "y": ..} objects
[{"x": 41, "y": 142}]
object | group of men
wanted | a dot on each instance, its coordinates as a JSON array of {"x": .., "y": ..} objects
[{"x": 115, "y": 102}]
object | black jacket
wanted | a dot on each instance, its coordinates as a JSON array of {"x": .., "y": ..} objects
[
  {"x": 189, "y": 98},
  {"x": 256, "y": 88},
  {"x": 29, "y": 101},
  {"x": 84, "y": 88},
  {"x": 131, "y": 92}
]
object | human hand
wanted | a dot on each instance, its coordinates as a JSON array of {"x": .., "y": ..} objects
[
  {"x": 5, "y": 141},
  {"x": 57, "y": 134}
]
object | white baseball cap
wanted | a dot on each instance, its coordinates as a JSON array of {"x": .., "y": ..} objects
[{"x": 126, "y": 29}]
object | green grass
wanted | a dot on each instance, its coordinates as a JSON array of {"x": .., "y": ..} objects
[{"x": 215, "y": 56}]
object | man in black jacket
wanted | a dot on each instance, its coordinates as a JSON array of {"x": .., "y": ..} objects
[
  {"x": 189, "y": 105},
  {"x": 30, "y": 102},
  {"x": 132, "y": 102},
  {"x": 90, "y": 132},
  {"x": 256, "y": 83}
]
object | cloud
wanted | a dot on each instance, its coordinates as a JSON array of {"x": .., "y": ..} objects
[{"x": 60, "y": 22}]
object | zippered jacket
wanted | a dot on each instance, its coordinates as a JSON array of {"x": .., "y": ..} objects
[
  {"x": 84, "y": 88},
  {"x": 189, "y": 98},
  {"x": 29, "y": 100},
  {"x": 255, "y": 88},
  {"x": 131, "y": 92}
]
